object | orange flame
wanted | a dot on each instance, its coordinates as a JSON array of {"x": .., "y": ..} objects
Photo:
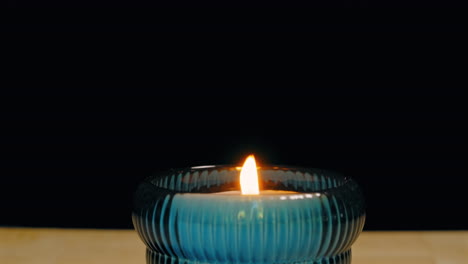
[{"x": 249, "y": 177}]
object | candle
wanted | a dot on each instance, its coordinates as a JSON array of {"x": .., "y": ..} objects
[{"x": 267, "y": 214}]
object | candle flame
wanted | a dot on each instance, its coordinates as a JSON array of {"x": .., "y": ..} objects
[{"x": 249, "y": 176}]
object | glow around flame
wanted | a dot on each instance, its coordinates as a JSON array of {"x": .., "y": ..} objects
[{"x": 249, "y": 176}]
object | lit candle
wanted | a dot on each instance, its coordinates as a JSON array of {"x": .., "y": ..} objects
[{"x": 216, "y": 214}]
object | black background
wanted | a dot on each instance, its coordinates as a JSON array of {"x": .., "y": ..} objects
[
  {"x": 388, "y": 111},
  {"x": 234, "y": 4}
]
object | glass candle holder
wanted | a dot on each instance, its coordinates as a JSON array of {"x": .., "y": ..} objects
[{"x": 190, "y": 216}]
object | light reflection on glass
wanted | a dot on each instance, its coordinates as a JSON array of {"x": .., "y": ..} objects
[{"x": 203, "y": 167}]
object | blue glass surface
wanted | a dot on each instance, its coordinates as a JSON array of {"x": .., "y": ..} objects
[{"x": 181, "y": 216}]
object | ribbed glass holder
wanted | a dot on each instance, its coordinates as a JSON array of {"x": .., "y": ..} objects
[{"x": 183, "y": 216}]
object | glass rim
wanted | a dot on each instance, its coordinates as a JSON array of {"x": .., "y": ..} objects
[{"x": 345, "y": 180}]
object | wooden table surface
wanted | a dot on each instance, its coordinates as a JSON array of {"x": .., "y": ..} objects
[{"x": 86, "y": 246}]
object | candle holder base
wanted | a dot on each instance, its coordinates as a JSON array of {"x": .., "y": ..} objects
[{"x": 153, "y": 257}]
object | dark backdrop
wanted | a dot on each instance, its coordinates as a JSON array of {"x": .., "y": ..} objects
[
  {"x": 75, "y": 161},
  {"x": 390, "y": 115}
]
